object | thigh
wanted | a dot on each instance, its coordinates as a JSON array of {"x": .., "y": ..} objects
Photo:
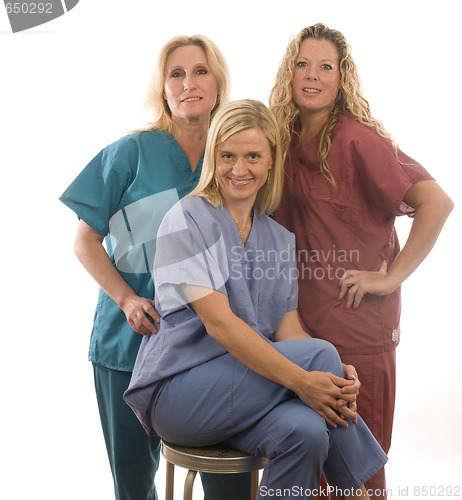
[
  {"x": 126, "y": 440},
  {"x": 220, "y": 398},
  {"x": 194, "y": 407},
  {"x": 290, "y": 420}
]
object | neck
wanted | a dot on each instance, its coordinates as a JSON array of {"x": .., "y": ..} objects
[
  {"x": 241, "y": 213},
  {"x": 190, "y": 130},
  {"x": 311, "y": 124},
  {"x": 243, "y": 218},
  {"x": 191, "y": 136}
]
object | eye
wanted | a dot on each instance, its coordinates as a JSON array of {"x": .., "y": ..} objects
[
  {"x": 225, "y": 155},
  {"x": 301, "y": 64},
  {"x": 253, "y": 156},
  {"x": 202, "y": 71},
  {"x": 327, "y": 66},
  {"x": 176, "y": 73}
]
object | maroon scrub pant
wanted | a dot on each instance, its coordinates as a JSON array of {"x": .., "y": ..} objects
[{"x": 376, "y": 405}]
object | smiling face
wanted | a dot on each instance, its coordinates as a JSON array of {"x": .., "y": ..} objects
[
  {"x": 190, "y": 87},
  {"x": 242, "y": 165},
  {"x": 316, "y": 79}
]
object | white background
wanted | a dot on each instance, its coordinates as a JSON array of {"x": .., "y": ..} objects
[{"x": 70, "y": 87}]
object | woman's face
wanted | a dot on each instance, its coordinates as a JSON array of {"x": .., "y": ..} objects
[
  {"x": 316, "y": 79},
  {"x": 190, "y": 87},
  {"x": 242, "y": 165}
]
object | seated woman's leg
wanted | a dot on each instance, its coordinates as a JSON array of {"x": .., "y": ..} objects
[
  {"x": 354, "y": 456},
  {"x": 220, "y": 398},
  {"x": 296, "y": 441}
]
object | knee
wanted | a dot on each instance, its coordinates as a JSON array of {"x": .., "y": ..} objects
[
  {"x": 327, "y": 358},
  {"x": 306, "y": 437}
]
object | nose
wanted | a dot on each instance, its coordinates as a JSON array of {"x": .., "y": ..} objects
[
  {"x": 188, "y": 82},
  {"x": 311, "y": 74},
  {"x": 239, "y": 167}
]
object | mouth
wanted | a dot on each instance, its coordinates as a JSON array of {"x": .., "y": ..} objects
[
  {"x": 191, "y": 99},
  {"x": 311, "y": 91},
  {"x": 239, "y": 182}
]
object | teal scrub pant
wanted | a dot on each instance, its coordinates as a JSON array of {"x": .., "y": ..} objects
[{"x": 134, "y": 456}]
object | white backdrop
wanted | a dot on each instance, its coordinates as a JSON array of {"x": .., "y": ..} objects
[{"x": 70, "y": 87}]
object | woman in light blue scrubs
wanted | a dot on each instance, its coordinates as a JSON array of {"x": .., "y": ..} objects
[
  {"x": 231, "y": 362},
  {"x": 121, "y": 196}
]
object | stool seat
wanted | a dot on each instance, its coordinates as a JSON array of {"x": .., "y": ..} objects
[{"x": 218, "y": 459}]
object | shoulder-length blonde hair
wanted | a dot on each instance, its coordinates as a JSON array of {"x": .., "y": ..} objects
[
  {"x": 235, "y": 117},
  {"x": 349, "y": 99},
  {"x": 155, "y": 101}
]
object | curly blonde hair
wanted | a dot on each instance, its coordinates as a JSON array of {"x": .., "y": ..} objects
[
  {"x": 235, "y": 117},
  {"x": 155, "y": 101},
  {"x": 349, "y": 99}
]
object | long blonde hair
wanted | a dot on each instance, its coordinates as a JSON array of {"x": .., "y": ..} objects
[
  {"x": 155, "y": 101},
  {"x": 349, "y": 99},
  {"x": 235, "y": 117}
]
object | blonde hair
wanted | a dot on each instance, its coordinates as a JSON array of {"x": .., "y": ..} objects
[
  {"x": 155, "y": 101},
  {"x": 349, "y": 99},
  {"x": 235, "y": 117}
]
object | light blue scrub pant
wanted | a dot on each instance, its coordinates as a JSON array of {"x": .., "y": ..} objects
[
  {"x": 134, "y": 456},
  {"x": 223, "y": 401}
]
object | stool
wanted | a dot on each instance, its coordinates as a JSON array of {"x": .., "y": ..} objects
[{"x": 218, "y": 459}]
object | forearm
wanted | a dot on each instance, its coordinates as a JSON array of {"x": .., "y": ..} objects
[
  {"x": 94, "y": 258},
  {"x": 321, "y": 391},
  {"x": 429, "y": 219},
  {"x": 254, "y": 352}
]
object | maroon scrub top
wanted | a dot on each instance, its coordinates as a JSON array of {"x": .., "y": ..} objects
[{"x": 354, "y": 229}]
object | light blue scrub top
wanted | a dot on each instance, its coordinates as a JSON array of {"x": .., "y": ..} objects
[
  {"x": 123, "y": 194},
  {"x": 200, "y": 245}
]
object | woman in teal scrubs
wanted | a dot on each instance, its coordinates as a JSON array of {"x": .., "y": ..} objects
[{"x": 120, "y": 198}]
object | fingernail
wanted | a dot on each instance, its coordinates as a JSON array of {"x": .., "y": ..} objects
[{"x": 345, "y": 307}]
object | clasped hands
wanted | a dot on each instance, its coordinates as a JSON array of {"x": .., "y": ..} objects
[{"x": 332, "y": 397}]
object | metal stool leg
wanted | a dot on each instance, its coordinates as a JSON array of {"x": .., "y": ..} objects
[
  {"x": 169, "y": 481},
  {"x": 188, "y": 484}
]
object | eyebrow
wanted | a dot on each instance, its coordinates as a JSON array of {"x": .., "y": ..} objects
[
  {"x": 179, "y": 66},
  {"x": 322, "y": 60}
]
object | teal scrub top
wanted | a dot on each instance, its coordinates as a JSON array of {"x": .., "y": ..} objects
[{"x": 123, "y": 194}]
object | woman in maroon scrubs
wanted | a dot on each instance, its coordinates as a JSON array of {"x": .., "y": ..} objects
[{"x": 346, "y": 182}]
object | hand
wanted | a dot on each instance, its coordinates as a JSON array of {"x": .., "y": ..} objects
[
  {"x": 141, "y": 314},
  {"x": 350, "y": 374},
  {"x": 322, "y": 391},
  {"x": 354, "y": 284}
]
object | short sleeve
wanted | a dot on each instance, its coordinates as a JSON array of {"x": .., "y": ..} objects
[
  {"x": 190, "y": 251},
  {"x": 96, "y": 192},
  {"x": 386, "y": 176}
]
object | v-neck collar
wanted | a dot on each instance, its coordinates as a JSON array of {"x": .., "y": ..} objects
[{"x": 236, "y": 234}]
